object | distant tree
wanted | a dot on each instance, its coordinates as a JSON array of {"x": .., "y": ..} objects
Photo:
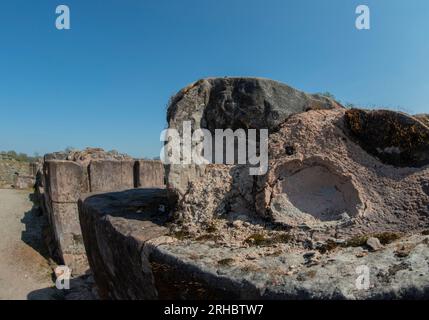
[
  {"x": 22, "y": 157},
  {"x": 12, "y": 154}
]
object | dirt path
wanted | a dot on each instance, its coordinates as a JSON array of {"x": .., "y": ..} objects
[{"x": 24, "y": 270}]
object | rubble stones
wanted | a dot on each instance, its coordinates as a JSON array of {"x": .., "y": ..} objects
[
  {"x": 11, "y": 169},
  {"x": 24, "y": 182},
  {"x": 374, "y": 244}
]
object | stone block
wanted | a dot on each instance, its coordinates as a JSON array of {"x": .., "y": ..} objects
[
  {"x": 66, "y": 180},
  {"x": 65, "y": 221},
  {"x": 149, "y": 174},
  {"x": 24, "y": 182},
  {"x": 111, "y": 175}
]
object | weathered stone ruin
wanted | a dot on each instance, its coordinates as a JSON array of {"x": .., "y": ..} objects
[
  {"x": 345, "y": 188},
  {"x": 66, "y": 176},
  {"x": 16, "y": 174}
]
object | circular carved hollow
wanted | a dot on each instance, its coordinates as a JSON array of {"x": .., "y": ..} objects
[{"x": 314, "y": 194}]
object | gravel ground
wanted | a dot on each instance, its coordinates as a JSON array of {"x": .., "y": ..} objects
[{"x": 25, "y": 272}]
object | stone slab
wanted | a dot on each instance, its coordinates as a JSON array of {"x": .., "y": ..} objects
[
  {"x": 108, "y": 235},
  {"x": 132, "y": 258},
  {"x": 67, "y": 230},
  {"x": 66, "y": 180},
  {"x": 149, "y": 174},
  {"x": 111, "y": 175}
]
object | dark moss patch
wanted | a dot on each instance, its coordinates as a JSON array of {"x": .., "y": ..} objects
[
  {"x": 384, "y": 237},
  {"x": 211, "y": 228},
  {"x": 328, "y": 246},
  {"x": 357, "y": 241},
  {"x": 181, "y": 235},
  {"x": 259, "y": 239},
  {"x": 395, "y": 138},
  {"x": 226, "y": 262},
  {"x": 387, "y": 237},
  {"x": 274, "y": 254},
  {"x": 256, "y": 239}
]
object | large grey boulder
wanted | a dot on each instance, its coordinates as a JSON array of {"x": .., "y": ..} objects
[
  {"x": 231, "y": 103},
  {"x": 241, "y": 103}
]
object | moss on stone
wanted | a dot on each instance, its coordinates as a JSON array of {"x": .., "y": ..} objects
[
  {"x": 395, "y": 138},
  {"x": 226, "y": 262},
  {"x": 181, "y": 235},
  {"x": 384, "y": 237},
  {"x": 259, "y": 239}
]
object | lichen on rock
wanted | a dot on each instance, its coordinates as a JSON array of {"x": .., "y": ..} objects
[{"x": 396, "y": 138}]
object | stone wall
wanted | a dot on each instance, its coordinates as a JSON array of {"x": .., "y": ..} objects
[
  {"x": 147, "y": 174},
  {"x": 10, "y": 169},
  {"x": 61, "y": 183}
]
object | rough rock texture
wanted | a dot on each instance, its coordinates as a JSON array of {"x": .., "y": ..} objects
[
  {"x": 352, "y": 186},
  {"x": 109, "y": 175},
  {"x": 218, "y": 103},
  {"x": 236, "y": 103},
  {"x": 24, "y": 182},
  {"x": 326, "y": 171},
  {"x": 374, "y": 244},
  {"x": 59, "y": 191},
  {"x": 132, "y": 258},
  {"x": 10, "y": 169},
  {"x": 87, "y": 155},
  {"x": 328, "y": 180},
  {"x": 67, "y": 180},
  {"x": 149, "y": 174},
  {"x": 423, "y": 118},
  {"x": 396, "y": 138},
  {"x": 108, "y": 235}
]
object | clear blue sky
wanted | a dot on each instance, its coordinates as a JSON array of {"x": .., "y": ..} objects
[{"x": 106, "y": 81}]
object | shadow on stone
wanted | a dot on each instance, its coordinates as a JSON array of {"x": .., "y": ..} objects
[{"x": 81, "y": 288}]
